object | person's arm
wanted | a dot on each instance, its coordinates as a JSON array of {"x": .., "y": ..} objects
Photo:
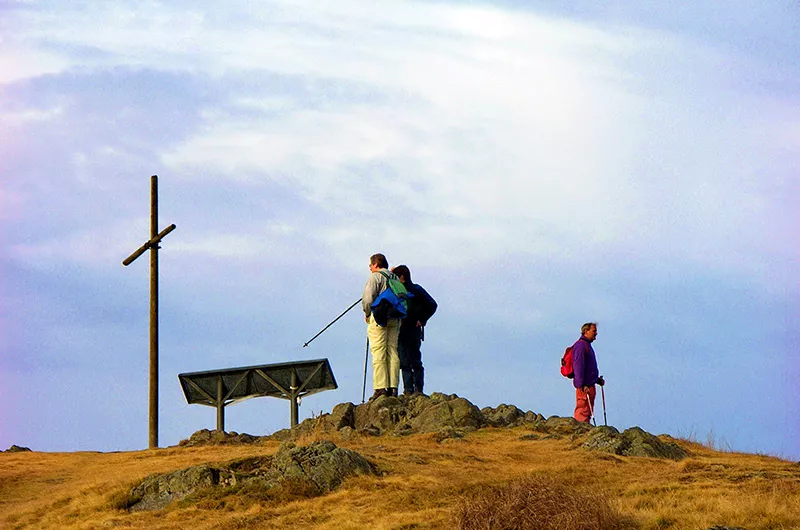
[
  {"x": 578, "y": 364},
  {"x": 371, "y": 292},
  {"x": 428, "y": 305}
]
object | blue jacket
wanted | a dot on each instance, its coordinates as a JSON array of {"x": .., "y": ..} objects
[
  {"x": 421, "y": 307},
  {"x": 584, "y": 364}
]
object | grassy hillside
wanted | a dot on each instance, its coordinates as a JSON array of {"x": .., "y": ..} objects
[{"x": 425, "y": 483}]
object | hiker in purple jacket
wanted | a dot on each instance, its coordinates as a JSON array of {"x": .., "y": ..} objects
[{"x": 584, "y": 365}]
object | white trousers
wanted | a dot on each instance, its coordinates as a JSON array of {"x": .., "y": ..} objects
[{"x": 385, "y": 360}]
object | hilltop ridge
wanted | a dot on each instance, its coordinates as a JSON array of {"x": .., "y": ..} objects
[
  {"x": 433, "y": 462},
  {"x": 450, "y": 416}
]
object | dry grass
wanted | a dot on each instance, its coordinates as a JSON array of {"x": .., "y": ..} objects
[
  {"x": 425, "y": 484},
  {"x": 538, "y": 502}
]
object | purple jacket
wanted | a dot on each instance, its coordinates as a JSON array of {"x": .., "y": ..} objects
[{"x": 584, "y": 364}]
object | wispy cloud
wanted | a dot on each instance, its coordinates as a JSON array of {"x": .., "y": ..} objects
[{"x": 546, "y": 166}]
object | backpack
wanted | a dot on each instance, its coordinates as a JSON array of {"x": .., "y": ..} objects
[
  {"x": 566, "y": 364},
  {"x": 392, "y": 302}
]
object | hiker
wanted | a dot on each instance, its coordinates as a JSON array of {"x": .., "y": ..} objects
[
  {"x": 584, "y": 364},
  {"x": 421, "y": 307},
  {"x": 382, "y": 339}
]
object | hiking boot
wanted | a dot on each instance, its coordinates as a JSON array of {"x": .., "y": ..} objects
[
  {"x": 378, "y": 393},
  {"x": 391, "y": 392},
  {"x": 408, "y": 392}
]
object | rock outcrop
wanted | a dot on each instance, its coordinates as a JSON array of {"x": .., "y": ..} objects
[
  {"x": 207, "y": 437},
  {"x": 16, "y": 449},
  {"x": 437, "y": 413},
  {"x": 321, "y": 463},
  {"x": 320, "y": 466},
  {"x": 632, "y": 442},
  {"x": 450, "y": 417}
]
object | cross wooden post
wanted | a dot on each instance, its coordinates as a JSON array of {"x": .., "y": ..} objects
[{"x": 152, "y": 245}]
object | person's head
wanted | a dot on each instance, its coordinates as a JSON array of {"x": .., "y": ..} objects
[
  {"x": 589, "y": 330},
  {"x": 378, "y": 261},
  {"x": 403, "y": 273}
]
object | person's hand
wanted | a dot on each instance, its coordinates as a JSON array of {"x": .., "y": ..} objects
[
  {"x": 601, "y": 381},
  {"x": 366, "y": 319}
]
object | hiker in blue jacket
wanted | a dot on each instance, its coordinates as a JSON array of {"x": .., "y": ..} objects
[
  {"x": 584, "y": 364},
  {"x": 382, "y": 339},
  {"x": 421, "y": 307}
]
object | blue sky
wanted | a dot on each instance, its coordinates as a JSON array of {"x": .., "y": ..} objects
[{"x": 536, "y": 166}]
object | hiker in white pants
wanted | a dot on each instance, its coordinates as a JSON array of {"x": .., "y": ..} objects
[{"x": 382, "y": 339}]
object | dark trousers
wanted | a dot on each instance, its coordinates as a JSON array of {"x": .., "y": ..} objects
[{"x": 408, "y": 348}]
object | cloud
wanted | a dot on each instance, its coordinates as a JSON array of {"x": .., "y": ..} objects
[
  {"x": 533, "y": 170},
  {"x": 522, "y": 130}
]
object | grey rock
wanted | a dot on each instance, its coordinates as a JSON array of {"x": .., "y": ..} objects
[
  {"x": 321, "y": 464},
  {"x": 565, "y": 426},
  {"x": 532, "y": 417},
  {"x": 17, "y": 449},
  {"x": 157, "y": 491},
  {"x": 324, "y": 464},
  {"x": 442, "y": 413},
  {"x": 632, "y": 442},
  {"x": 346, "y": 433},
  {"x": 207, "y": 437},
  {"x": 342, "y": 415},
  {"x": 502, "y": 416}
]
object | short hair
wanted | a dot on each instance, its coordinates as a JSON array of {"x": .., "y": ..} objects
[
  {"x": 402, "y": 270},
  {"x": 586, "y": 327},
  {"x": 379, "y": 260}
]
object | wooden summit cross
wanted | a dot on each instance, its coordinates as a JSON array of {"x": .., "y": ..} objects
[{"x": 152, "y": 245}]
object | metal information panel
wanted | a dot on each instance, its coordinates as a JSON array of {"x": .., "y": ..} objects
[{"x": 292, "y": 380}]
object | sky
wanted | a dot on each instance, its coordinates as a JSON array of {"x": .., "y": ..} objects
[{"x": 537, "y": 165}]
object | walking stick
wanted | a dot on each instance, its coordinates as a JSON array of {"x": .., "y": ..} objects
[
  {"x": 603, "y": 393},
  {"x": 364, "y": 387},
  {"x": 591, "y": 410},
  {"x": 329, "y": 325}
]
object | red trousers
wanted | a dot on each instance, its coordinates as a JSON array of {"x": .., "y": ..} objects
[{"x": 583, "y": 410}]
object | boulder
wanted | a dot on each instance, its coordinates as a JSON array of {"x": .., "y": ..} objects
[
  {"x": 453, "y": 412},
  {"x": 405, "y": 415},
  {"x": 157, "y": 491},
  {"x": 565, "y": 426},
  {"x": 502, "y": 416},
  {"x": 383, "y": 414},
  {"x": 342, "y": 415},
  {"x": 632, "y": 442},
  {"x": 322, "y": 465},
  {"x": 16, "y": 449},
  {"x": 207, "y": 437}
]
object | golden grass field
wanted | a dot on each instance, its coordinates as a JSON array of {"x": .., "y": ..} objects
[{"x": 424, "y": 485}]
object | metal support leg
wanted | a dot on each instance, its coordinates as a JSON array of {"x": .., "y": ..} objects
[
  {"x": 220, "y": 405},
  {"x": 293, "y": 398}
]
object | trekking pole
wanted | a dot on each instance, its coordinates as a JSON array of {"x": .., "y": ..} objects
[
  {"x": 364, "y": 387},
  {"x": 591, "y": 410},
  {"x": 603, "y": 393},
  {"x": 329, "y": 325}
]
